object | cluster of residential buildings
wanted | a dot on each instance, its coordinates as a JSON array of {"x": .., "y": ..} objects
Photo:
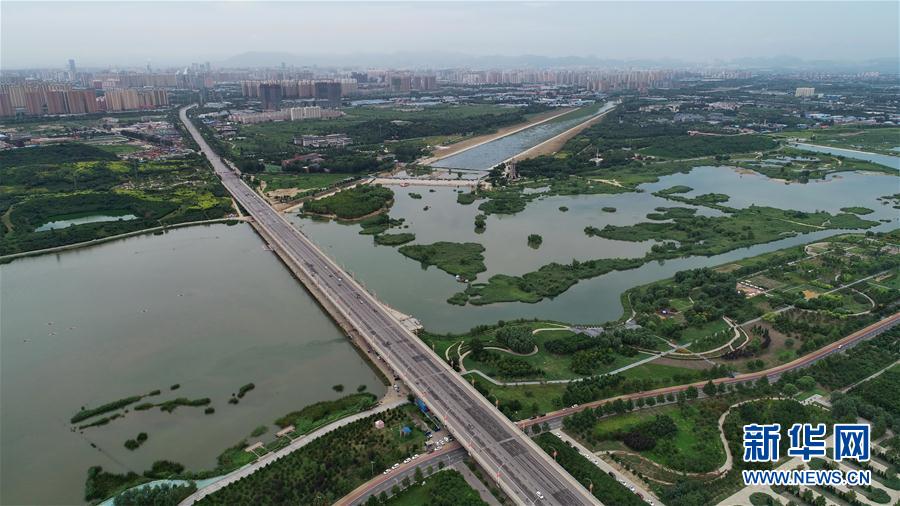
[
  {"x": 290, "y": 114},
  {"x": 270, "y": 93},
  {"x": 40, "y": 98}
]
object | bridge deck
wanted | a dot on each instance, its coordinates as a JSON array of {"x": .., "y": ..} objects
[{"x": 522, "y": 469}]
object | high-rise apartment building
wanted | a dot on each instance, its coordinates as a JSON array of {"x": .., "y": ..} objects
[
  {"x": 6, "y": 107},
  {"x": 270, "y": 95},
  {"x": 329, "y": 92}
]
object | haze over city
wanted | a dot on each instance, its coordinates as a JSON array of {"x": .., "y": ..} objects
[
  {"x": 449, "y": 253},
  {"x": 440, "y": 33}
]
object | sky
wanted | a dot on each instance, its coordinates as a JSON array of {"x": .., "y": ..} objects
[{"x": 47, "y": 34}]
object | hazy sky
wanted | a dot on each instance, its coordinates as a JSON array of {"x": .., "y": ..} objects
[{"x": 130, "y": 33}]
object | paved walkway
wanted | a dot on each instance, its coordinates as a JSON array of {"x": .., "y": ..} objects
[
  {"x": 651, "y": 358},
  {"x": 295, "y": 445}
]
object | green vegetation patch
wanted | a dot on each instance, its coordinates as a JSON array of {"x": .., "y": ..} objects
[
  {"x": 163, "y": 494},
  {"x": 156, "y": 192},
  {"x": 313, "y": 181},
  {"x": 171, "y": 405},
  {"x": 394, "y": 239},
  {"x": 466, "y": 198},
  {"x": 352, "y": 203},
  {"x": 459, "y": 259},
  {"x": 54, "y": 154},
  {"x": 325, "y": 412},
  {"x": 857, "y": 210},
  {"x": 329, "y": 467},
  {"x": 445, "y": 488},
  {"x": 674, "y": 189},
  {"x": 84, "y": 414}
]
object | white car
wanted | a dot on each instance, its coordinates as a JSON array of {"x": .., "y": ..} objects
[
  {"x": 395, "y": 466},
  {"x": 414, "y": 457},
  {"x": 406, "y": 460},
  {"x": 539, "y": 495}
]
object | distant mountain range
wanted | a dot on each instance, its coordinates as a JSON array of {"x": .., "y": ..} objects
[{"x": 417, "y": 60}]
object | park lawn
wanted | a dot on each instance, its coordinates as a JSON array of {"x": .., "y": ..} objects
[
  {"x": 691, "y": 443},
  {"x": 806, "y": 394},
  {"x": 282, "y": 180},
  {"x": 707, "y": 336},
  {"x": 892, "y": 282},
  {"x": 656, "y": 371},
  {"x": 119, "y": 149},
  {"x": 682, "y": 304},
  {"x": 554, "y": 366},
  {"x": 535, "y": 399}
]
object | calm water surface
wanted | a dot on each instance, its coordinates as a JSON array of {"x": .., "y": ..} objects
[
  {"x": 206, "y": 307},
  {"x": 886, "y": 160},
  {"x": 491, "y": 153},
  {"x": 94, "y": 218},
  {"x": 403, "y": 283}
]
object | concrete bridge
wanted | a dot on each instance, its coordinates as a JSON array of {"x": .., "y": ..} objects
[{"x": 524, "y": 471}]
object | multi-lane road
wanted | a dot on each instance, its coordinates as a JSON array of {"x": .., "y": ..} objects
[{"x": 520, "y": 467}]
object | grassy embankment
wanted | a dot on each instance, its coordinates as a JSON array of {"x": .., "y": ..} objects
[{"x": 101, "y": 484}]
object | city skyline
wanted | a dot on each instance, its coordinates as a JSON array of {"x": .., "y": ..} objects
[{"x": 368, "y": 33}]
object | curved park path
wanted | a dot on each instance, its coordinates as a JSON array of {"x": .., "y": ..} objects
[{"x": 295, "y": 445}]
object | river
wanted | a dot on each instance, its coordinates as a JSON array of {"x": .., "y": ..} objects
[
  {"x": 489, "y": 154},
  {"x": 423, "y": 292},
  {"x": 206, "y": 307}
]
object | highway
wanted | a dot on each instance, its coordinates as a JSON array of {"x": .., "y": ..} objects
[{"x": 521, "y": 468}]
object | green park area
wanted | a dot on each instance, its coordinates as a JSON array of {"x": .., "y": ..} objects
[
  {"x": 68, "y": 193},
  {"x": 513, "y": 352},
  {"x": 682, "y": 438},
  {"x": 330, "y": 466}
]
